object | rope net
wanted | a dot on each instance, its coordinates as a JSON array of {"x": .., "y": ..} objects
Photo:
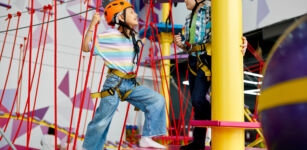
[{"x": 177, "y": 130}]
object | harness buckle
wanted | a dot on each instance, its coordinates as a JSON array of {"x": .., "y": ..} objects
[
  {"x": 111, "y": 91},
  {"x": 188, "y": 46}
]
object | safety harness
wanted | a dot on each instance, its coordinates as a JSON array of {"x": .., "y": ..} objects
[
  {"x": 195, "y": 48},
  {"x": 204, "y": 66},
  {"x": 119, "y": 8},
  {"x": 122, "y": 75},
  {"x": 111, "y": 91}
]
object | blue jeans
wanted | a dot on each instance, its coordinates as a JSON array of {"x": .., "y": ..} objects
[
  {"x": 199, "y": 86},
  {"x": 147, "y": 100}
]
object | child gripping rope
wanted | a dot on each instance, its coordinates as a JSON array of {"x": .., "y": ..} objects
[{"x": 119, "y": 49}]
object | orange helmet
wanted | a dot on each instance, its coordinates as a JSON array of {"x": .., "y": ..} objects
[{"x": 115, "y": 7}]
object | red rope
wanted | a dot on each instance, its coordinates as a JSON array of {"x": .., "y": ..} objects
[
  {"x": 9, "y": 17},
  {"x": 89, "y": 97},
  {"x": 189, "y": 126},
  {"x": 32, "y": 79},
  {"x": 261, "y": 63},
  {"x": 37, "y": 83},
  {"x": 186, "y": 104},
  {"x": 49, "y": 7},
  {"x": 153, "y": 75},
  {"x": 259, "y": 57},
  {"x": 257, "y": 97},
  {"x": 252, "y": 50},
  {"x": 19, "y": 123},
  {"x": 17, "y": 90},
  {"x": 76, "y": 85},
  {"x": 250, "y": 67},
  {"x": 20, "y": 77},
  {"x": 188, "y": 97},
  {"x": 82, "y": 76},
  {"x": 176, "y": 60},
  {"x": 255, "y": 115},
  {"x": 133, "y": 129},
  {"x": 153, "y": 68},
  {"x": 167, "y": 112},
  {"x": 257, "y": 69},
  {"x": 121, "y": 137},
  {"x": 86, "y": 80},
  {"x": 184, "y": 88},
  {"x": 100, "y": 81},
  {"x": 167, "y": 84},
  {"x": 146, "y": 26},
  {"x": 55, "y": 74},
  {"x": 29, "y": 77},
  {"x": 124, "y": 126},
  {"x": 39, "y": 44},
  {"x": 156, "y": 50},
  {"x": 186, "y": 78},
  {"x": 39, "y": 74},
  {"x": 12, "y": 55}
]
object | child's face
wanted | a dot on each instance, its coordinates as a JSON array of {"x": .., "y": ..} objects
[
  {"x": 131, "y": 17},
  {"x": 190, "y": 4}
]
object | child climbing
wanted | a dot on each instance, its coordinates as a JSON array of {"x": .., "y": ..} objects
[
  {"x": 197, "y": 44},
  {"x": 119, "y": 49}
]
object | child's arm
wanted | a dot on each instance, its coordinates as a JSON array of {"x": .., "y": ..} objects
[
  {"x": 89, "y": 33},
  {"x": 178, "y": 42},
  {"x": 143, "y": 40}
]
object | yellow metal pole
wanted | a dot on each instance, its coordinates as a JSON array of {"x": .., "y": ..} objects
[
  {"x": 165, "y": 11},
  {"x": 227, "y": 73},
  {"x": 166, "y": 40}
]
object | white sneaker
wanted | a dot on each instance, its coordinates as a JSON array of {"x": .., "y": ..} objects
[{"x": 148, "y": 142}]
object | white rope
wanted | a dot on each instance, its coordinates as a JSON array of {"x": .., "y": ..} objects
[
  {"x": 252, "y": 82},
  {"x": 253, "y": 74},
  {"x": 252, "y": 92},
  {"x": 7, "y": 140}
]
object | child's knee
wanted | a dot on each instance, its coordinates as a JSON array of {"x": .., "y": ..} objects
[{"x": 108, "y": 104}]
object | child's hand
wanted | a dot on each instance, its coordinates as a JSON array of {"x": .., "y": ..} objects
[
  {"x": 244, "y": 45},
  {"x": 96, "y": 18},
  {"x": 143, "y": 40},
  {"x": 178, "y": 40}
]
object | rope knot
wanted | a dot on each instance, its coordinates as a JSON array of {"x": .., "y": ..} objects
[
  {"x": 18, "y": 14},
  {"x": 9, "y": 16}
]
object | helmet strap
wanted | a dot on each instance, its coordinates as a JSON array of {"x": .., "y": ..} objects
[
  {"x": 124, "y": 25},
  {"x": 132, "y": 32},
  {"x": 194, "y": 10}
]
